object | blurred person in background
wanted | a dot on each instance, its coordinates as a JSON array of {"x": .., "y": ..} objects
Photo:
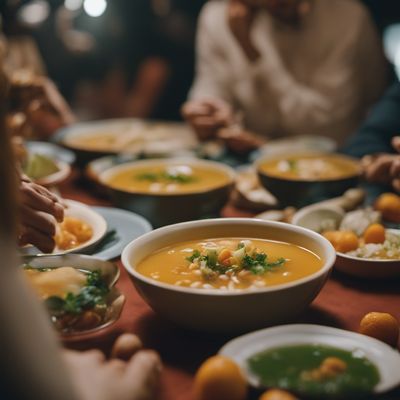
[
  {"x": 36, "y": 108},
  {"x": 284, "y": 68},
  {"x": 377, "y": 141},
  {"x": 32, "y": 362}
]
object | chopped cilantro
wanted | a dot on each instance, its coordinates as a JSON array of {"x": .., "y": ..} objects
[
  {"x": 258, "y": 264},
  {"x": 165, "y": 177},
  {"x": 196, "y": 254},
  {"x": 91, "y": 295}
]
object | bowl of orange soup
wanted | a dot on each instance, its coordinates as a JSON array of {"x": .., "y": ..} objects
[
  {"x": 229, "y": 275},
  {"x": 302, "y": 179},
  {"x": 167, "y": 191}
]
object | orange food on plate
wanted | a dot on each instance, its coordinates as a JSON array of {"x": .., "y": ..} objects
[
  {"x": 220, "y": 378},
  {"x": 342, "y": 241},
  {"x": 381, "y": 326},
  {"x": 277, "y": 394},
  {"x": 72, "y": 232},
  {"x": 375, "y": 233},
  {"x": 389, "y": 205}
]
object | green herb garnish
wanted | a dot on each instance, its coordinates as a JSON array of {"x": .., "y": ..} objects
[
  {"x": 196, "y": 254},
  {"x": 258, "y": 264},
  {"x": 292, "y": 165},
  {"x": 166, "y": 177},
  {"x": 93, "y": 294}
]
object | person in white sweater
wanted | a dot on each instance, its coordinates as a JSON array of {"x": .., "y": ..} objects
[{"x": 285, "y": 68}]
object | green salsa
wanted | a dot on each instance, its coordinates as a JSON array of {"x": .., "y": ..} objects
[{"x": 293, "y": 368}]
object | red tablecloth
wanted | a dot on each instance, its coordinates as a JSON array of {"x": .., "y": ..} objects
[{"x": 342, "y": 303}]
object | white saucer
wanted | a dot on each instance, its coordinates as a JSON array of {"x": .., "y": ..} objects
[{"x": 386, "y": 359}]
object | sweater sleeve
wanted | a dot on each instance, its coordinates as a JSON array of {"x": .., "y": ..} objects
[
  {"x": 378, "y": 130},
  {"x": 211, "y": 78}
]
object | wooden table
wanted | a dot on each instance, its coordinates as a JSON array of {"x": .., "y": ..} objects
[{"x": 342, "y": 303}]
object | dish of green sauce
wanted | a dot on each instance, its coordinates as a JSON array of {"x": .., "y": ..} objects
[{"x": 289, "y": 368}]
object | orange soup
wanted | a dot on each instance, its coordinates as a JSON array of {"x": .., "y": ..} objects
[
  {"x": 230, "y": 264},
  {"x": 311, "y": 167},
  {"x": 168, "y": 179}
]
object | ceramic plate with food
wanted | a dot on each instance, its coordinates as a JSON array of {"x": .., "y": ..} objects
[
  {"x": 316, "y": 362},
  {"x": 129, "y": 136},
  {"x": 365, "y": 247},
  {"x": 44, "y": 163},
  {"x": 81, "y": 229}
]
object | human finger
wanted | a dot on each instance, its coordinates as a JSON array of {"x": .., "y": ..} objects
[
  {"x": 396, "y": 184},
  {"x": 43, "y": 242},
  {"x": 126, "y": 346},
  {"x": 142, "y": 374},
  {"x": 395, "y": 168},
  {"x": 379, "y": 170},
  {"x": 396, "y": 143},
  {"x": 196, "y": 108},
  {"x": 40, "y": 199},
  {"x": 38, "y": 220}
]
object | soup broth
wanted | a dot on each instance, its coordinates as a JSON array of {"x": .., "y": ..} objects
[
  {"x": 168, "y": 179},
  {"x": 316, "y": 371},
  {"x": 230, "y": 264},
  {"x": 311, "y": 167}
]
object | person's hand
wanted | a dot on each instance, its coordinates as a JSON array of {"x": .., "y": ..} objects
[
  {"x": 240, "y": 20},
  {"x": 43, "y": 106},
  {"x": 288, "y": 11},
  {"x": 39, "y": 212},
  {"x": 384, "y": 168},
  {"x": 96, "y": 378},
  {"x": 207, "y": 116},
  {"x": 240, "y": 141}
]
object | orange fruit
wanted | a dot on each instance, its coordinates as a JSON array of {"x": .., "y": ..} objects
[
  {"x": 375, "y": 233},
  {"x": 342, "y": 241},
  {"x": 381, "y": 326},
  {"x": 220, "y": 378},
  {"x": 389, "y": 205},
  {"x": 348, "y": 241},
  {"x": 277, "y": 394}
]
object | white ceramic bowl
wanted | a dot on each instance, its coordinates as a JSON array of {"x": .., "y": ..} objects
[
  {"x": 63, "y": 173},
  {"x": 221, "y": 311},
  {"x": 383, "y": 356},
  {"x": 369, "y": 269}
]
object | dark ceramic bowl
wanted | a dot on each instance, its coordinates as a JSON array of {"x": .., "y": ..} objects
[
  {"x": 165, "y": 209},
  {"x": 301, "y": 192}
]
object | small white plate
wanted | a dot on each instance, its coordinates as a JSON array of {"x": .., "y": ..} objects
[
  {"x": 127, "y": 226},
  {"x": 63, "y": 173},
  {"x": 369, "y": 268},
  {"x": 85, "y": 214},
  {"x": 380, "y": 354}
]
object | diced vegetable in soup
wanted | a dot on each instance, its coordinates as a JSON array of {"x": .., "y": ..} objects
[
  {"x": 168, "y": 179},
  {"x": 230, "y": 264},
  {"x": 311, "y": 167}
]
